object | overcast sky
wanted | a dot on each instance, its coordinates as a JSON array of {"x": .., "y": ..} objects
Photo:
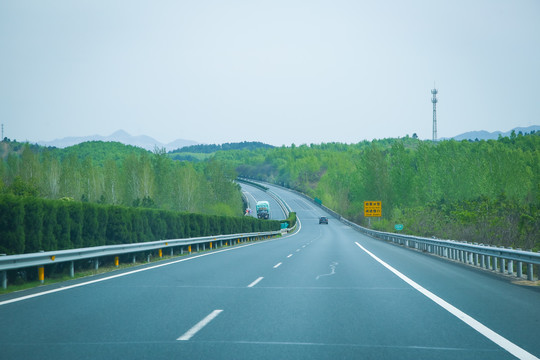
[{"x": 279, "y": 72}]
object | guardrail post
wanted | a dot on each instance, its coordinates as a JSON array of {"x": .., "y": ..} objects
[
  {"x": 530, "y": 274},
  {"x": 519, "y": 267},
  {"x": 3, "y": 276},
  {"x": 197, "y": 247},
  {"x": 172, "y": 252},
  {"x": 3, "y": 279},
  {"x": 511, "y": 267},
  {"x": 72, "y": 268},
  {"x": 96, "y": 264},
  {"x": 134, "y": 260},
  {"x": 41, "y": 274},
  {"x": 503, "y": 265},
  {"x": 494, "y": 264}
]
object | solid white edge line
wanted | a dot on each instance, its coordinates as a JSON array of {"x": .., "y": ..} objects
[
  {"x": 255, "y": 282},
  {"x": 475, "y": 324},
  {"x": 277, "y": 265},
  {"x": 26, "y": 297},
  {"x": 189, "y": 334},
  {"x": 5, "y": 302}
]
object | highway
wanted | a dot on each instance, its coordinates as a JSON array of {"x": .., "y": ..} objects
[
  {"x": 324, "y": 292},
  {"x": 254, "y": 194}
]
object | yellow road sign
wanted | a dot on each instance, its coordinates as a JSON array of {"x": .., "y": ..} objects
[{"x": 372, "y": 209}]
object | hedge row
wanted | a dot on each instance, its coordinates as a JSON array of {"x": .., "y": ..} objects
[
  {"x": 291, "y": 220},
  {"x": 29, "y": 224}
]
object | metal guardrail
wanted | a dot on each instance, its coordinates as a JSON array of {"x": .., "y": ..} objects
[
  {"x": 282, "y": 204},
  {"x": 41, "y": 259},
  {"x": 494, "y": 258}
]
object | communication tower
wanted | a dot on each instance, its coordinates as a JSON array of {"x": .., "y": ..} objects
[{"x": 434, "y": 101}]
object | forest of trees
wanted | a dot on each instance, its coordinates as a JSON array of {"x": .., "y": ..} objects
[
  {"x": 116, "y": 174},
  {"x": 482, "y": 191},
  {"x": 207, "y": 149},
  {"x": 103, "y": 193}
]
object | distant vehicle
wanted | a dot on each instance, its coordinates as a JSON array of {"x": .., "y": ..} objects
[
  {"x": 263, "y": 210},
  {"x": 323, "y": 220}
]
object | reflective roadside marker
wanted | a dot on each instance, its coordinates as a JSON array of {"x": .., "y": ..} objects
[{"x": 41, "y": 274}]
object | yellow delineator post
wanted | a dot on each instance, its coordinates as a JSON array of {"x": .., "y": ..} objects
[
  {"x": 41, "y": 274},
  {"x": 189, "y": 249},
  {"x": 210, "y": 245},
  {"x": 160, "y": 253},
  {"x": 116, "y": 261}
]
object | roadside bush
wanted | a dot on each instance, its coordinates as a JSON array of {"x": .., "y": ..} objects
[{"x": 29, "y": 224}]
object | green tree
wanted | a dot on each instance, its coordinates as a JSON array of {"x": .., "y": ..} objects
[
  {"x": 33, "y": 224},
  {"x": 12, "y": 236}
]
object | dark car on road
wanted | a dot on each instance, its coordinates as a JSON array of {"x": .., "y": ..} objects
[{"x": 323, "y": 220}]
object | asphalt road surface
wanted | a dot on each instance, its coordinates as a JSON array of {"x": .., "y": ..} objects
[
  {"x": 325, "y": 292},
  {"x": 254, "y": 194}
]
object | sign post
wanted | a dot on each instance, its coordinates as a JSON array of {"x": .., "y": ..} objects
[{"x": 372, "y": 209}]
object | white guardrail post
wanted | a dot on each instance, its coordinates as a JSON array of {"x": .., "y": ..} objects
[{"x": 497, "y": 259}]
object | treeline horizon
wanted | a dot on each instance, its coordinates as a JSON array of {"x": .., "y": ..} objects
[
  {"x": 117, "y": 174},
  {"x": 477, "y": 191}
]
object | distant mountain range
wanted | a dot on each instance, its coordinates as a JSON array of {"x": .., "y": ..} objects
[
  {"x": 142, "y": 141},
  {"x": 485, "y": 135},
  {"x": 149, "y": 143}
]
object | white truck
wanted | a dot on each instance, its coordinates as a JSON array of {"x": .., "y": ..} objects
[{"x": 263, "y": 210}]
